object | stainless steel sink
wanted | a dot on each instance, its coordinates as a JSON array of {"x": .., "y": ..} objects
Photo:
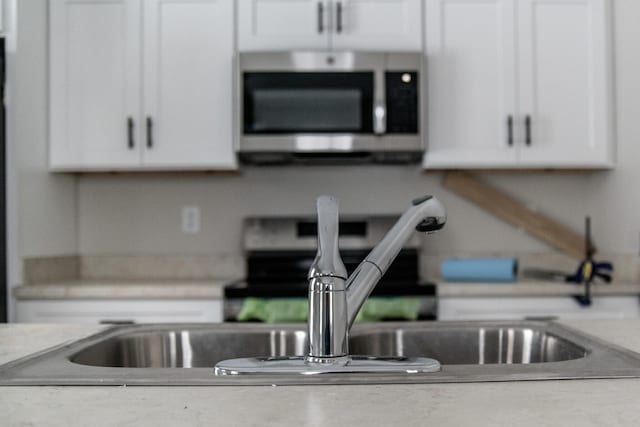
[
  {"x": 186, "y": 354},
  {"x": 470, "y": 345},
  {"x": 190, "y": 347}
]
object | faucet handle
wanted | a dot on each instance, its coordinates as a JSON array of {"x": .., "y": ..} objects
[{"x": 328, "y": 261}]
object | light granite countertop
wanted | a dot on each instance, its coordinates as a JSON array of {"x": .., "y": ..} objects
[
  {"x": 123, "y": 289},
  {"x": 176, "y": 289},
  {"x": 528, "y": 288},
  {"x": 539, "y": 403}
]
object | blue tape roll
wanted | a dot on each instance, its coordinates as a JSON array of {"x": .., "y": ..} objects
[{"x": 480, "y": 270}]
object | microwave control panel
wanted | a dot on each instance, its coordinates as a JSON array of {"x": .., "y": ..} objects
[{"x": 402, "y": 101}]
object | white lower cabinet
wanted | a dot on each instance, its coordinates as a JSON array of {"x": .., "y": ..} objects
[
  {"x": 119, "y": 311},
  {"x": 512, "y": 308}
]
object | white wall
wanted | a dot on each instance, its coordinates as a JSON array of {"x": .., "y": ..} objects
[
  {"x": 141, "y": 213},
  {"x": 41, "y": 207},
  {"x": 46, "y": 202},
  {"x": 614, "y": 196}
]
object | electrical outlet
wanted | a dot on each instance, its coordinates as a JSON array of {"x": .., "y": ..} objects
[{"x": 191, "y": 219}]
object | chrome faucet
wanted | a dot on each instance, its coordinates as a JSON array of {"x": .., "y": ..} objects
[{"x": 334, "y": 298}]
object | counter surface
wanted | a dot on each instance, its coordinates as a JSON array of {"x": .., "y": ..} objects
[
  {"x": 538, "y": 403},
  {"x": 175, "y": 289}
]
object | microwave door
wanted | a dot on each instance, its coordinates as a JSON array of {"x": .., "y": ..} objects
[{"x": 308, "y": 103}]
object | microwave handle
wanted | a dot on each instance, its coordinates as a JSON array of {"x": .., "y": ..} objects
[{"x": 379, "y": 118}]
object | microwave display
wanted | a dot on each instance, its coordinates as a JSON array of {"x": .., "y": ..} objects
[{"x": 402, "y": 102}]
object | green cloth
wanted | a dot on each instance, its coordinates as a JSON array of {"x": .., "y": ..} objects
[
  {"x": 274, "y": 310},
  {"x": 295, "y": 310},
  {"x": 380, "y": 308}
]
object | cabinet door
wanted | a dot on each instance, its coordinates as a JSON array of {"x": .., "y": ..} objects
[
  {"x": 95, "y": 82},
  {"x": 521, "y": 308},
  {"x": 564, "y": 82},
  {"x": 188, "y": 81},
  {"x": 385, "y": 25},
  {"x": 283, "y": 24},
  {"x": 471, "y": 83},
  {"x": 119, "y": 311}
]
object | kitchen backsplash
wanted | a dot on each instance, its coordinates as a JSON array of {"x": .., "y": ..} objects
[{"x": 43, "y": 270}]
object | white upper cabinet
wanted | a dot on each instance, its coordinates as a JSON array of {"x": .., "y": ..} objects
[
  {"x": 518, "y": 84},
  {"x": 95, "y": 72},
  {"x": 393, "y": 25},
  {"x": 141, "y": 84},
  {"x": 375, "y": 25},
  {"x": 283, "y": 24},
  {"x": 188, "y": 80},
  {"x": 471, "y": 88},
  {"x": 564, "y": 76}
]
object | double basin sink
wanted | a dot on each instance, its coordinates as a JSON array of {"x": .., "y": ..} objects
[{"x": 175, "y": 354}]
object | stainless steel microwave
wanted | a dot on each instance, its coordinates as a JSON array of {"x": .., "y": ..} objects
[{"x": 333, "y": 107}]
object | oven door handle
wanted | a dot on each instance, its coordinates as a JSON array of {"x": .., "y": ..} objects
[{"x": 379, "y": 118}]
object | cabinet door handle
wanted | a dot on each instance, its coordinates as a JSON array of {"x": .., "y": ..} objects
[
  {"x": 149, "y": 132},
  {"x": 510, "y": 130},
  {"x": 130, "y": 133},
  {"x": 339, "y": 17},
  {"x": 320, "y": 17},
  {"x": 527, "y": 126}
]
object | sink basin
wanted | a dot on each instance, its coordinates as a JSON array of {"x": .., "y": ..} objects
[
  {"x": 204, "y": 347},
  {"x": 470, "y": 345},
  {"x": 190, "y": 347},
  {"x": 186, "y": 354}
]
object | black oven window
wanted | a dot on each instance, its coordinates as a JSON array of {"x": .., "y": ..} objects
[{"x": 308, "y": 103}]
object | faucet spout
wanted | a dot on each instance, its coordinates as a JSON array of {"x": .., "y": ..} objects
[
  {"x": 334, "y": 298},
  {"x": 426, "y": 214}
]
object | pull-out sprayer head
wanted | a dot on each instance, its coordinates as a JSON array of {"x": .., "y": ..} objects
[{"x": 430, "y": 224}]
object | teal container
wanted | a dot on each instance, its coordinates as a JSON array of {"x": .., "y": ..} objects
[{"x": 479, "y": 270}]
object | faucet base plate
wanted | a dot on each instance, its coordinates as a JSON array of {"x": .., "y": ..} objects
[{"x": 348, "y": 365}]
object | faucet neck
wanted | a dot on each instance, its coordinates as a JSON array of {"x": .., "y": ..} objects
[
  {"x": 327, "y": 262},
  {"x": 327, "y": 324},
  {"x": 426, "y": 214}
]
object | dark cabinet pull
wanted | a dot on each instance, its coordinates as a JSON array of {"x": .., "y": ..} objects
[
  {"x": 130, "y": 133},
  {"x": 320, "y": 17},
  {"x": 510, "y": 130},
  {"x": 149, "y": 132},
  {"x": 339, "y": 17},
  {"x": 117, "y": 322},
  {"x": 527, "y": 125}
]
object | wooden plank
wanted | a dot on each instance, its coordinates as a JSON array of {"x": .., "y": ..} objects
[{"x": 514, "y": 212}]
